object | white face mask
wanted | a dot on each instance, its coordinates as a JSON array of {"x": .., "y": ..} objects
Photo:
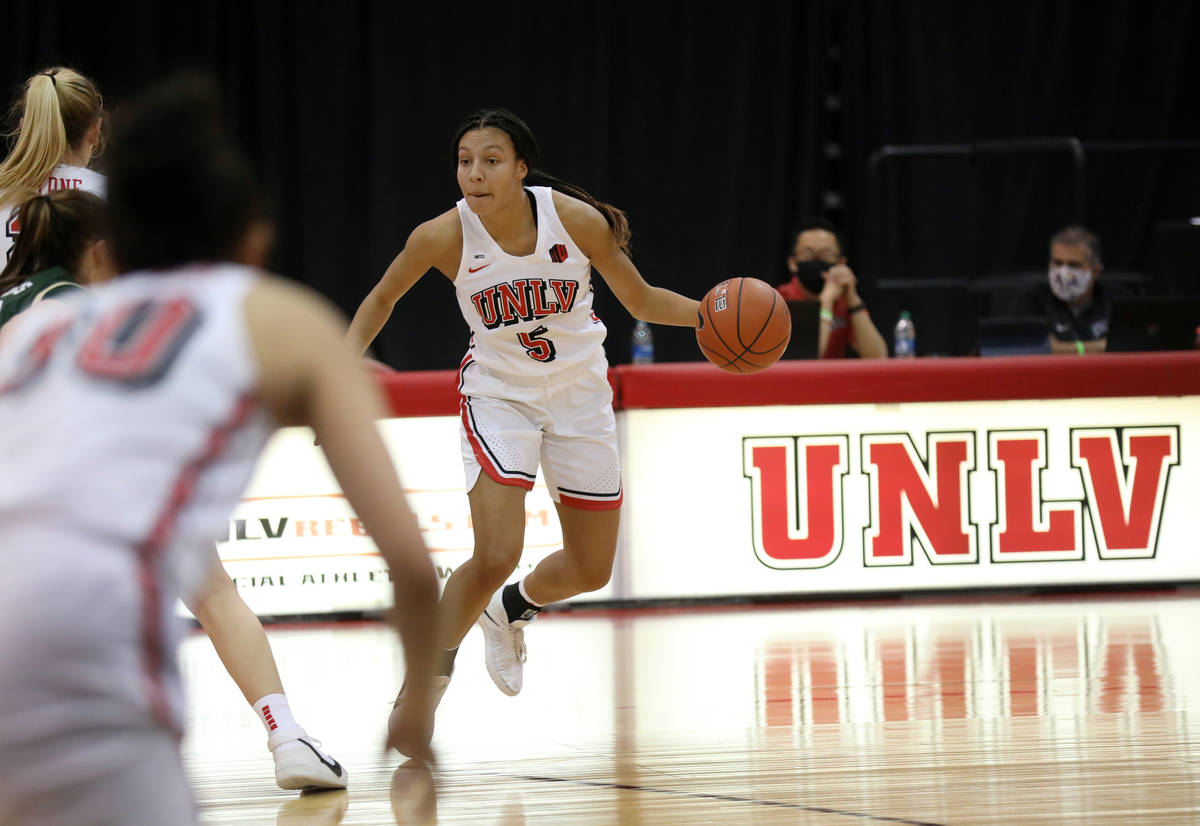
[{"x": 1069, "y": 283}]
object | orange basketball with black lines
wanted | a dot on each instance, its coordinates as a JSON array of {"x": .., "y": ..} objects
[{"x": 744, "y": 325}]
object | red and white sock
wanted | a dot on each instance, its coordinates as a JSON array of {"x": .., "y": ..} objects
[{"x": 276, "y": 716}]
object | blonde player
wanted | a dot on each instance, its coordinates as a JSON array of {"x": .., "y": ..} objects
[
  {"x": 62, "y": 114},
  {"x": 132, "y": 416},
  {"x": 533, "y": 381}
]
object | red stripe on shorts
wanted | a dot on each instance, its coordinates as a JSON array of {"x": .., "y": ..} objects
[
  {"x": 592, "y": 504},
  {"x": 481, "y": 456}
]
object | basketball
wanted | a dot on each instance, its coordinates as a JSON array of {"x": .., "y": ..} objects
[{"x": 744, "y": 325}]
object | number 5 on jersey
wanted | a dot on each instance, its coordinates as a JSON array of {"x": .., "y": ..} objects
[{"x": 537, "y": 347}]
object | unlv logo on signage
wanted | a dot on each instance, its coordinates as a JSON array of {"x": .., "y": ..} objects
[
  {"x": 1126, "y": 489},
  {"x": 919, "y": 499},
  {"x": 1118, "y": 476},
  {"x": 1028, "y": 526},
  {"x": 1124, "y": 476},
  {"x": 796, "y": 498}
]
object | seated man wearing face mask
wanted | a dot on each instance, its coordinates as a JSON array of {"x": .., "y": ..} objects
[
  {"x": 1075, "y": 304},
  {"x": 819, "y": 273}
]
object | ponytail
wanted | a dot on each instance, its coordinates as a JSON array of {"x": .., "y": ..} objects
[
  {"x": 526, "y": 147},
  {"x": 618, "y": 222},
  {"x": 56, "y": 230},
  {"x": 56, "y": 109}
]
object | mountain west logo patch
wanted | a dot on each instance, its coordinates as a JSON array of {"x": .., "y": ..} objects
[{"x": 558, "y": 253}]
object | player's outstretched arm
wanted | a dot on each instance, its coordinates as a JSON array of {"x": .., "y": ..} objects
[
  {"x": 308, "y": 376},
  {"x": 434, "y": 244},
  {"x": 592, "y": 235}
]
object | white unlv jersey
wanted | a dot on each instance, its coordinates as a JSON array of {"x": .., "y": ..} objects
[
  {"x": 128, "y": 432},
  {"x": 530, "y": 316},
  {"x": 63, "y": 177}
]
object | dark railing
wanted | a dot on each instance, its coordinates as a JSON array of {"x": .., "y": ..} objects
[
  {"x": 969, "y": 151},
  {"x": 953, "y": 297}
]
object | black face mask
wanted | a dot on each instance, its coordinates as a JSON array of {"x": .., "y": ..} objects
[{"x": 812, "y": 274}]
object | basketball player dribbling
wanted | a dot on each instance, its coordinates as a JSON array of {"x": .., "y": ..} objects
[
  {"x": 534, "y": 379},
  {"x": 62, "y": 115},
  {"x": 132, "y": 417}
]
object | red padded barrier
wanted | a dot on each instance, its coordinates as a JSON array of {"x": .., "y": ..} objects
[
  {"x": 948, "y": 379},
  {"x": 424, "y": 393},
  {"x": 435, "y": 393}
]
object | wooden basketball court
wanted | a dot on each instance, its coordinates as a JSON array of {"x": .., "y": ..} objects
[{"x": 1077, "y": 709}]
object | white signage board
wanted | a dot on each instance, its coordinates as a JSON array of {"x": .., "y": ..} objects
[
  {"x": 862, "y": 498},
  {"x": 742, "y": 501}
]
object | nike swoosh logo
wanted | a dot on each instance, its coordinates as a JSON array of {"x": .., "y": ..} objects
[
  {"x": 498, "y": 623},
  {"x": 334, "y": 766},
  {"x": 477, "y": 269}
]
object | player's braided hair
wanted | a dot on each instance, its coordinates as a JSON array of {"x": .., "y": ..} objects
[
  {"x": 56, "y": 230},
  {"x": 526, "y": 147}
]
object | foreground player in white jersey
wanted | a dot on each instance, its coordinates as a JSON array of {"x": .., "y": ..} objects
[
  {"x": 133, "y": 414},
  {"x": 61, "y": 115},
  {"x": 534, "y": 380}
]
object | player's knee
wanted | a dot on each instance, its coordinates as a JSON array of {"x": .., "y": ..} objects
[
  {"x": 494, "y": 565},
  {"x": 592, "y": 577}
]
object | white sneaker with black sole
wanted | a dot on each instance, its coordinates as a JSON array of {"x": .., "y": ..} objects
[
  {"x": 301, "y": 764},
  {"x": 504, "y": 646}
]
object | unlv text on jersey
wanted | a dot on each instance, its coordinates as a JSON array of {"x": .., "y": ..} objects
[{"x": 524, "y": 300}]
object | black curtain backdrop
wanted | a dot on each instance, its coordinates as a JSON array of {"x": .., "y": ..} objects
[
  {"x": 950, "y": 72},
  {"x": 711, "y": 125}
]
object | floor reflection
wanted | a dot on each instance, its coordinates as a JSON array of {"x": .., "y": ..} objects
[
  {"x": 413, "y": 794},
  {"x": 314, "y": 809},
  {"x": 1048, "y": 711},
  {"x": 995, "y": 666}
]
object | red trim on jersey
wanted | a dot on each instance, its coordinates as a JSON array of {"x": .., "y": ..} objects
[
  {"x": 483, "y": 459},
  {"x": 592, "y": 504},
  {"x": 467, "y": 361},
  {"x": 150, "y": 550}
]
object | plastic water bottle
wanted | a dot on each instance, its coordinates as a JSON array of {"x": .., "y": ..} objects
[
  {"x": 643, "y": 344},
  {"x": 905, "y": 346}
]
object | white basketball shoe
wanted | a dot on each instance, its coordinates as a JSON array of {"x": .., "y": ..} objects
[
  {"x": 504, "y": 646},
  {"x": 300, "y": 763}
]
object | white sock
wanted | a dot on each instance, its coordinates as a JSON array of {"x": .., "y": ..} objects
[
  {"x": 525, "y": 596},
  {"x": 276, "y": 716}
]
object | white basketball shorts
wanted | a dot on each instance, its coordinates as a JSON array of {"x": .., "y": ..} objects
[{"x": 565, "y": 424}]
